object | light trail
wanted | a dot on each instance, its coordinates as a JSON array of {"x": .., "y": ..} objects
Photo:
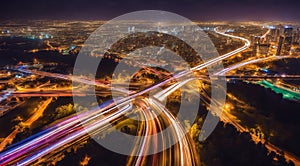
[
  {"x": 55, "y": 133},
  {"x": 227, "y": 55},
  {"x": 83, "y": 80},
  {"x": 264, "y": 35},
  {"x": 58, "y": 93},
  {"x": 166, "y": 92},
  {"x": 187, "y": 151},
  {"x": 75, "y": 135},
  {"x": 72, "y": 126},
  {"x": 6, "y": 95},
  {"x": 236, "y": 66}
]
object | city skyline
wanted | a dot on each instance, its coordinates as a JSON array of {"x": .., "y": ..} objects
[{"x": 185, "y": 83}]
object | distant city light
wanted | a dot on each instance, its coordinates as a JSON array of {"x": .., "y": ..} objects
[{"x": 271, "y": 27}]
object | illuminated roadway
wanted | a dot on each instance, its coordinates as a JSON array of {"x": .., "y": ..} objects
[
  {"x": 16, "y": 153},
  {"x": 71, "y": 129},
  {"x": 236, "y": 66}
]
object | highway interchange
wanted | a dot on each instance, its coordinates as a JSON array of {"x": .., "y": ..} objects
[{"x": 76, "y": 127}]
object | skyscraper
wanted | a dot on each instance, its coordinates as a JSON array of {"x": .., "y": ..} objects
[
  {"x": 296, "y": 36},
  {"x": 288, "y": 31},
  {"x": 287, "y": 44},
  {"x": 273, "y": 34},
  {"x": 263, "y": 49},
  {"x": 279, "y": 47}
]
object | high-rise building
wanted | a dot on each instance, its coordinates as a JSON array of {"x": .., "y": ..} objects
[
  {"x": 263, "y": 49},
  {"x": 280, "y": 30},
  {"x": 269, "y": 38},
  {"x": 273, "y": 33},
  {"x": 277, "y": 34},
  {"x": 288, "y": 31},
  {"x": 255, "y": 39},
  {"x": 297, "y": 36},
  {"x": 287, "y": 44},
  {"x": 279, "y": 46}
]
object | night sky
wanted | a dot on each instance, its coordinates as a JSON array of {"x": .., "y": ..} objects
[{"x": 202, "y": 10}]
